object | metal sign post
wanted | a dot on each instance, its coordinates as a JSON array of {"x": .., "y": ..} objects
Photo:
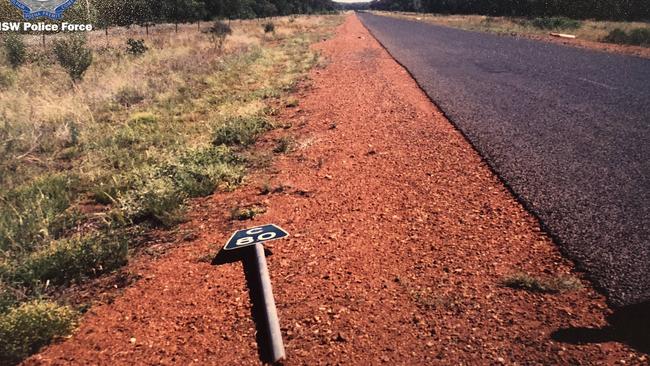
[{"x": 257, "y": 236}]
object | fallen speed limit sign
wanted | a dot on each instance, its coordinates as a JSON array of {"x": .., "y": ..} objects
[
  {"x": 257, "y": 236},
  {"x": 252, "y": 236}
]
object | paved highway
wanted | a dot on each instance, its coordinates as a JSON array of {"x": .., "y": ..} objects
[{"x": 567, "y": 129}]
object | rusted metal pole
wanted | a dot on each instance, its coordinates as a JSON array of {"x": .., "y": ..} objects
[{"x": 270, "y": 312}]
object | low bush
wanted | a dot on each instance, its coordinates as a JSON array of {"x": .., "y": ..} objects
[
  {"x": 219, "y": 31},
  {"x": 247, "y": 213},
  {"x": 128, "y": 96},
  {"x": 151, "y": 198},
  {"x": 269, "y": 27},
  {"x": 15, "y": 50},
  {"x": 105, "y": 191},
  {"x": 73, "y": 55},
  {"x": 125, "y": 138},
  {"x": 241, "y": 131},
  {"x": 7, "y": 296},
  {"x": 636, "y": 37},
  {"x": 543, "y": 285},
  {"x": 284, "y": 145},
  {"x": 29, "y": 215},
  {"x": 136, "y": 47},
  {"x": 617, "y": 35},
  {"x": 32, "y": 325},
  {"x": 73, "y": 259},
  {"x": 640, "y": 37},
  {"x": 143, "y": 117},
  {"x": 157, "y": 193},
  {"x": 7, "y": 78},
  {"x": 198, "y": 173},
  {"x": 559, "y": 23},
  {"x": 292, "y": 102}
]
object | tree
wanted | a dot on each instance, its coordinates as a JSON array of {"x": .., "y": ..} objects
[
  {"x": 74, "y": 56},
  {"x": 182, "y": 11},
  {"x": 264, "y": 9},
  {"x": 15, "y": 50}
]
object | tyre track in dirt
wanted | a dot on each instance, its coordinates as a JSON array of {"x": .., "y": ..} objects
[{"x": 400, "y": 237}]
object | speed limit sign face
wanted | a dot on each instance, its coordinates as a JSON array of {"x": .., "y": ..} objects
[{"x": 252, "y": 236}]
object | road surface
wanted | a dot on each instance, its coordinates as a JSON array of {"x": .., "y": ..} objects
[{"x": 567, "y": 129}]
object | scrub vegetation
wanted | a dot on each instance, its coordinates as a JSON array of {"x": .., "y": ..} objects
[
  {"x": 635, "y": 36},
  {"x": 630, "y": 10},
  {"x": 633, "y": 33},
  {"x": 151, "y": 121},
  {"x": 552, "y": 285}
]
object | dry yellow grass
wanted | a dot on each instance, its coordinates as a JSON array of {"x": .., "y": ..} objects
[
  {"x": 137, "y": 136},
  {"x": 590, "y": 30},
  {"x": 40, "y": 105}
]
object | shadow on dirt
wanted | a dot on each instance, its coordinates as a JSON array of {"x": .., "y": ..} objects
[
  {"x": 247, "y": 256},
  {"x": 629, "y": 325}
]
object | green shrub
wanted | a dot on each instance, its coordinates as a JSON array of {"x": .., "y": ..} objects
[
  {"x": 616, "y": 35},
  {"x": 636, "y": 37},
  {"x": 246, "y": 213},
  {"x": 285, "y": 144},
  {"x": 269, "y": 27},
  {"x": 128, "y": 96},
  {"x": 106, "y": 189},
  {"x": 30, "y": 326},
  {"x": 292, "y": 102},
  {"x": 157, "y": 194},
  {"x": 30, "y": 214},
  {"x": 136, "y": 47},
  {"x": 143, "y": 117},
  {"x": 7, "y": 78},
  {"x": 73, "y": 258},
  {"x": 151, "y": 198},
  {"x": 74, "y": 56},
  {"x": 640, "y": 37},
  {"x": 219, "y": 31},
  {"x": 15, "y": 50},
  {"x": 556, "y": 23},
  {"x": 7, "y": 296},
  {"x": 241, "y": 131},
  {"x": 198, "y": 173}
]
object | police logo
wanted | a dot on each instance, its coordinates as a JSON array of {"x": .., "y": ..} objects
[{"x": 52, "y": 9}]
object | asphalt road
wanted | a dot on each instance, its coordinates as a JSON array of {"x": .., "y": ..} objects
[{"x": 567, "y": 129}]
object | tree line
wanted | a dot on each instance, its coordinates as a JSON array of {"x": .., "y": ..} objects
[
  {"x": 577, "y": 9},
  {"x": 104, "y": 13}
]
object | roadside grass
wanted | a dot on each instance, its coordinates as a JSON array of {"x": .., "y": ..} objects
[
  {"x": 284, "y": 145},
  {"x": 268, "y": 188},
  {"x": 241, "y": 131},
  {"x": 552, "y": 23},
  {"x": 554, "y": 285},
  {"x": 635, "y": 37},
  {"x": 31, "y": 325},
  {"x": 590, "y": 30},
  {"x": 85, "y": 168},
  {"x": 247, "y": 213}
]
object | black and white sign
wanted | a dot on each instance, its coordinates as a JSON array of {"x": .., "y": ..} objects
[{"x": 252, "y": 236}]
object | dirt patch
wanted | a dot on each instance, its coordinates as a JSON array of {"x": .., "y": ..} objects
[{"x": 401, "y": 241}]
